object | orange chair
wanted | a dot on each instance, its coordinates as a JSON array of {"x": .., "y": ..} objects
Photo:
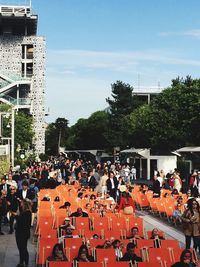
[
  {"x": 169, "y": 244},
  {"x": 101, "y": 223},
  {"x": 88, "y": 234},
  {"x": 150, "y": 264},
  {"x": 72, "y": 246},
  {"x": 44, "y": 249},
  {"x": 140, "y": 243},
  {"x": 82, "y": 223},
  {"x": 117, "y": 264},
  {"x": 117, "y": 224},
  {"x": 48, "y": 233},
  {"x": 59, "y": 264},
  {"x": 107, "y": 254},
  {"x": 90, "y": 264},
  {"x": 111, "y": 235},
  {"x": 159, "y": 254}
]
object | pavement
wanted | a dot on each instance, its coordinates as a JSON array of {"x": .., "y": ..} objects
[{"x": 9, "y": 255}]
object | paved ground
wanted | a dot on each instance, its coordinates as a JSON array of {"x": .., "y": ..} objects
[{"x": 9, "y": 256}]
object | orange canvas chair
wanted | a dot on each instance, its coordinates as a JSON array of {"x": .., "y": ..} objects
[
  {"x": 111, "y": 235},
  {"x": 107, "y": 254},
  {"x": 100, "y": 223},
  {"x": 117, "y": 223},
  {"x": 82, "y": 223},
  {"x": 59, "y": 264},
  {"x": 169, "y": 244},
  {"x": 44, "y": 249},
  {"x": 141, "y": 243},
  {"x": 151, "y": 264},
  {"x": 90, "y": 264},
  {"x": 159, "y": 254},
  {"x": 118, "y": 264}
]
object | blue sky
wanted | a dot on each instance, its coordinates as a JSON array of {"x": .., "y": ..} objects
[{"x": 93, "y": 43}]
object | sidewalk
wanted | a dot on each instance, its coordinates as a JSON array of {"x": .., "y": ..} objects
[{"x": 9, "y": 255}]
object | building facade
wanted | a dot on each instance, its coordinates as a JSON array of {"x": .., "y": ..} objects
[{"x": 22, "y": 67}]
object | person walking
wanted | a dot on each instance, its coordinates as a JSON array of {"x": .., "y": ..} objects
[
  {"x": 22, "y": 231},
  {"x": 191, "y": 221}
]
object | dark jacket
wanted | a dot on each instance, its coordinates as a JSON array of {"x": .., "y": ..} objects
[
  {"x": 23, "y": 223},
  {"x": 29, "y": 194},
  {"x": 76, "y": 214},
  {"x": 182, "y": 264},
  {"x": 92, "y": 182},
  {"x": 109, "y": 184},
  {"x": 131, "y": 257}
]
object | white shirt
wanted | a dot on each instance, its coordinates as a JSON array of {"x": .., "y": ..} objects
[{"x": 24, "y": 193}]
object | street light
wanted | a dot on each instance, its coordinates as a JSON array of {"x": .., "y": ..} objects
[{"x": 11, "y": 140}]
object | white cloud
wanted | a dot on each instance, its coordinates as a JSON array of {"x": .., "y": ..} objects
[{"x": 193, "y": 33}]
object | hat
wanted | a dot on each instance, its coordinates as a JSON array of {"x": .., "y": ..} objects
[
  {"x": 67, "y": 219},
  {"x": 122, "y": 188}
]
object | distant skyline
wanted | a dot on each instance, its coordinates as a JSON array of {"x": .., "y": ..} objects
[{"x": 93, "y": 43}]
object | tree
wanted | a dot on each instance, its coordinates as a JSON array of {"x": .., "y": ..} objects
[
  {"x": 120, "y": 106},
  {"x": 90, "y": 133},
  {"x": 172, "y": 119},
  {"x": 23, "y": 130},
  {"x": 56, "y": 135}
]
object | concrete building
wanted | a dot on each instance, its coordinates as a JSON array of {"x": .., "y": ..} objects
[{"x": 22, "y": 66}]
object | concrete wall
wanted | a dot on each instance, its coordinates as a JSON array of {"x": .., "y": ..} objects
[{"x": 165, "y": 163}]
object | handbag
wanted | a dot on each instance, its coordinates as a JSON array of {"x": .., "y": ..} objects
[{"x": 128, "y": 210}]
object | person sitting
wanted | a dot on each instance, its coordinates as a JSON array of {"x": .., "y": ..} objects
[
  {"x": 134, "y": 234},
  {"x": 106, "y": 244},
  {"x": 117, "y": 245},
  {"x": 155, "y": 235},
  {"x": 57, "y": 253},
  {"x": 186, "y": 260},
  {"x": 79, "y": 213},
  {"x": 65, "y": 225},
  {"x": 83, "y": 255},
  {"x": 126, "y": 203},
  {"x": 66, "y": 205},
  {"x": 179, "y": 210},
  {"x": 68, "y": 233},
  {"x": 130, "y": 254}
]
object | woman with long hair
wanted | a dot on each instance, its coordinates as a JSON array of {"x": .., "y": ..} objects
[
  {"x": 83, "y": 255},
  {"x": 57, "y": 253},
  {"x": 22, "y": 231},
  {"x": 191, "y": 221},
  {"x": 186, "y": 260}
]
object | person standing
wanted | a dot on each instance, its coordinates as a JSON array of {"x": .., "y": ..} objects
[
  {"x": 12, "y": 203},
  {"x": 191, "y": 221},
  {"x": 156, "y": 187},
  {"x": 112, "y": 185},
  {"x": 22, "y": 231},
  {"x": 103, "y": 185}
]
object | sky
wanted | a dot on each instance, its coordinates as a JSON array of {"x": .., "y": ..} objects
[{"x": 93, "y": 43}]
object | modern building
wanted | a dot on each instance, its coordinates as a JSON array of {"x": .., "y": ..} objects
[{"x": 22, "y": 66}]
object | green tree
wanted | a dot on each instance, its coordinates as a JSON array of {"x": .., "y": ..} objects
[
  {"x": 23, "y": 130},
  {"x": 90, "y": 133},
  {"x": 121, "y": 105},
  {"x": 56, "y": 135},
  {"x": 172, "y": 118}
]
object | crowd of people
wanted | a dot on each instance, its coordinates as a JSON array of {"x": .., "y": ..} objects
[{"x": 112, "y": 181}]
